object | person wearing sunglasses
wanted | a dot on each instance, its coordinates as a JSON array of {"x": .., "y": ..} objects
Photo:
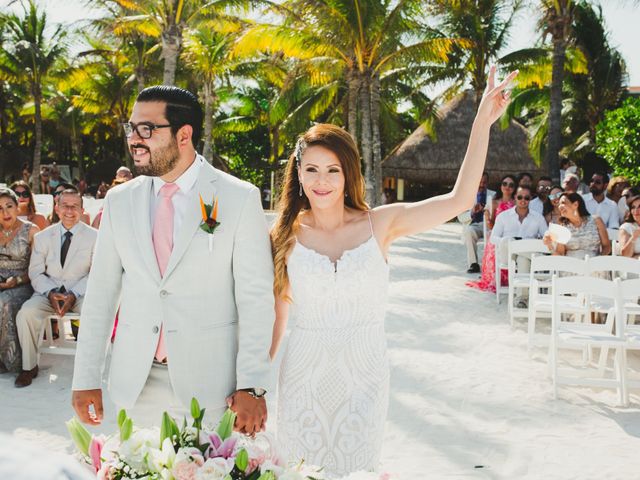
[
  {"x": 598, "y": 204},
  {"x": 519, "y": 222},
  {"x": 502, "y": 201},
  {"x": 542, "y": 193},
  {"x": 27, "y": 205},
  {"x": 551, "y": 212}
]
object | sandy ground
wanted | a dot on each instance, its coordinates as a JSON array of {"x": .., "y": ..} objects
[{"x": 466, "y": 399}]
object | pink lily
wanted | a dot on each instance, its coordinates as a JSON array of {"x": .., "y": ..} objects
[
  {"x": 95, "y": 449},
  {"x": 218, "y": 448}
]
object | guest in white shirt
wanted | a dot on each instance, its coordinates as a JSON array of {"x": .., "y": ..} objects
[
  {"x": 542, "y": 192},
  {"x": 598, "y": 204},
  {"x": 617, "y": 185},
  {"x": 518, "y": 222},
  {"x": 570, "y": 182}
]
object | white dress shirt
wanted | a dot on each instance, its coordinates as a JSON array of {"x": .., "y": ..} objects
[
  {"x": 536, "y": 205},
  {"x": 185, "y": 182},
  {"x": 508, "y": 225},
  {"x": 607, "y": 210}
]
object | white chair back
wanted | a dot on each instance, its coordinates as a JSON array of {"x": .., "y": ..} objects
[
  {"x": 44, "y": 203},
  {"x": 92, "y": 206},
  {"x": 617, "y": 266}
]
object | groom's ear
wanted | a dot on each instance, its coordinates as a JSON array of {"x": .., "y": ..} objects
[{"x": 184, "y": 135}]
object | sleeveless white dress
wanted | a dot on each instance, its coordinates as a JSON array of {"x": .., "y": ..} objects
[{"x": 334, "y": 379}]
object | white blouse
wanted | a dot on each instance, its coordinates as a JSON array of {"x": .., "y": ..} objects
[{"x": 630, "y": 228}]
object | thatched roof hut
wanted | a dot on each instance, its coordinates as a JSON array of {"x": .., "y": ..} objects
[{"x": 435, "y": 164}]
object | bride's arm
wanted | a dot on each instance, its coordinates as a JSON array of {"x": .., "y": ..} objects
[
  {"x": 280, "y": 325},
  {"x": 402, "y": 219}
]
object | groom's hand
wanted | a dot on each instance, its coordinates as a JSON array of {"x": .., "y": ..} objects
[
  {"x": 251, "y": 412},
  {"x": 82, "y": 400}
]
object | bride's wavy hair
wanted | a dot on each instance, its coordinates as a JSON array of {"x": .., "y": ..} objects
[{"x": 291, "y": 203}]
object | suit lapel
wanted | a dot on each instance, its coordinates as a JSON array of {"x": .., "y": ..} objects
[
  {"x": 205, "y": 186},
  {"x": 140, "y": 206},
  {"x": 56, "y": 243}
]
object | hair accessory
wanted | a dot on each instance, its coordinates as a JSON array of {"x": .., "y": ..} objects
[{"x": 301, "y": 146}]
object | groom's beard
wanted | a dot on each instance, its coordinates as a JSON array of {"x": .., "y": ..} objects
[{"x": 161, "y": 162}]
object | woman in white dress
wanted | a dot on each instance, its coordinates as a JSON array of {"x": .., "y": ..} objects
[{"x": 331, "y": 274}]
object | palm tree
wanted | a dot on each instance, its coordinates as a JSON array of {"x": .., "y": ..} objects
[
  {"x": 30, "y": 55},
  {"x": 358, "y": 43}
]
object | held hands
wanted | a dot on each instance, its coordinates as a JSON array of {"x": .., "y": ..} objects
[
  {"x": 251, "y": 413},
  {"x": 82, "y": 400},
  {"x": 496, "y": 98},
  {"x": 62, "y": 302},
  {"x": 10, "y": 282}
]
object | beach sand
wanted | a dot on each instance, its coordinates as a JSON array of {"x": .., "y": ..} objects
[{"x": 466, "y": 400}]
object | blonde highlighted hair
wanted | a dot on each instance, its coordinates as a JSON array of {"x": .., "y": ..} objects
[{"x": 291, "y": 203}]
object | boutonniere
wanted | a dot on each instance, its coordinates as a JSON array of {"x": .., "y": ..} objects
[{"x": 209, "y": 218}]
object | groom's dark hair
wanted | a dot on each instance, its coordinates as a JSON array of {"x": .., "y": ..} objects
[{"x": 182, "y": 108}]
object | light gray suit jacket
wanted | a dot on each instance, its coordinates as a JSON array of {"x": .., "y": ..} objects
[
  {"x": 216, "y": 305},
  {"x": 45, "y": 270}
]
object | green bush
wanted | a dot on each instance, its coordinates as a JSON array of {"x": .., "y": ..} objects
[{"x": 618, "y": 140}]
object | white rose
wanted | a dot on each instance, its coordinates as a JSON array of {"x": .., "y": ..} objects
[{"x": 215, "y": 469}]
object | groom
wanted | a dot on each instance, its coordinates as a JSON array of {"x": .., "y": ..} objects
[{"x": 196, "y": 309}]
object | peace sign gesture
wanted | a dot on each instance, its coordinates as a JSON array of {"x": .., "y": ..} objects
[{"x": 496, "y": 98}]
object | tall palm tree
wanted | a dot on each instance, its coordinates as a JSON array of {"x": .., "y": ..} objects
[
  {"x": 556, "y": 20},
  {"x": 29, "y": 56},
  {"x": 358, "y": 43}
]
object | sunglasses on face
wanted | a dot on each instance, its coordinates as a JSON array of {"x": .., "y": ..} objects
[
  {"x": 544, "y": 188},
  {"x": 22, "y": 193},
  {"x": 555, "y": 196},
  {"x": 523, "y": 197},
  {"x": 508, "y": 184}
]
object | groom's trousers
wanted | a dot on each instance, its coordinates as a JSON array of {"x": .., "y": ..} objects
[{"x": 158, "y": 396}]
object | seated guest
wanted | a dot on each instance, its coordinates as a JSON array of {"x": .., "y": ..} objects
[
  {"x": 58, "y": 269},
  {"x": 542, "y": 193},
  {"x": 598, "y": 204},
  {"x": 551, "y": 212},
  {"x": 27, "y": 205},
  {"x": 54, "y": 218},
  {"x": 45, "y": 176},
  {"x": 588, "y": 233},
  {"x": 16, "y": 239},
  {"x": 474, "y": 231},
  {"x": 571, "y": 182},
  {"x": 519, "y": 222},
  {"x": 630, "y": 231},
  {"x": 524, "y": 178},
  {"x": 123, "y": 174},
  {"x": 501, "y": 202}
]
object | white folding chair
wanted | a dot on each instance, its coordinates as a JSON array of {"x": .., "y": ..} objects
[
  {"x": 65, "y": 344},
  {"x": 579, "y": 335},
  {"x": 543, "y": 267},
  {"x": 92, "y": 206},
  {"x": 631, "y": 298},
  {"x": 501, "y": 264},
  {"x": 520, "y": 280},
  {"x": 44, "y": 203}
]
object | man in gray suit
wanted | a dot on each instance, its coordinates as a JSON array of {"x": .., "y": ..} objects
[
  {"x": 59, "y": 268},
  {"x": 194, "y": 285}
]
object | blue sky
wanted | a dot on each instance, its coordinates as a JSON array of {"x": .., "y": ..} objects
[{"x": 621, "y": 17}]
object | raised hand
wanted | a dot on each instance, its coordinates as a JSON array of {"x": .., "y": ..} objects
[{"x": 496, "y": 97}]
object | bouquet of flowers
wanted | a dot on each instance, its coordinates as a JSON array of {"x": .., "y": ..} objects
[{"x": 185, "y": 453}]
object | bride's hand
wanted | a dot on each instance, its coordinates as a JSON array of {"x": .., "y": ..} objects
[{"x": 495, "y": 98}]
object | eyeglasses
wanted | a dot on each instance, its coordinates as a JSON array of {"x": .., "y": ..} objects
[
  {"x": 508, "y": 184},
  {"x": 555, "y": 196},
  {"x": 544, "y": 188},
  {"x": 523, "y": 197},
  {"x": 22, "y": 193},
  {"x": 143, "y": 129}
]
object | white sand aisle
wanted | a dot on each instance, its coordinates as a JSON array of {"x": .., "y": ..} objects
[{"x": 464, "y": 394}]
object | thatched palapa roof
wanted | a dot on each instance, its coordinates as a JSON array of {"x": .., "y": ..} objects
[{"x": 422, "y": 160}]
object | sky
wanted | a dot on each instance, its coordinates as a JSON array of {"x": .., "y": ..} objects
[{"x": 621, "y": 17}]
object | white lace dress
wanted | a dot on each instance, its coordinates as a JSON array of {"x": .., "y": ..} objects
[{"x": 334, "y": 380}]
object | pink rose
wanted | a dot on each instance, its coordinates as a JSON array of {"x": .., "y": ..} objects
[{"x": 185, "y": 470}]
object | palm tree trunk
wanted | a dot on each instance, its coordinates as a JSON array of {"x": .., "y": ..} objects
[
  {"x": 37, "y": 151},
  {"x": 352, "y": 114},
  {"x": 274, "y": 135},
  {"x": 375, "y": 138},
  {"x": 207, "y": 150},
  {"x": 171, "y": 44},
  {"x": 554, "y": 142},
  {"x": 75, "y": 149},
  {"x": 365, "y": 138}
]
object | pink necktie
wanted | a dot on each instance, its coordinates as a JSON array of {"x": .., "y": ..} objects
[{"x": 163, "y": 244}]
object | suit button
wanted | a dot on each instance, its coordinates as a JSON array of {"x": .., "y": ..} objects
[
  {"x": 155, "y": 329},
  {"x": 164, "y": 294}
]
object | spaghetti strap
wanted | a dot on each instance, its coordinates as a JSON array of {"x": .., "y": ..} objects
[{"x": 370, "y": 223}]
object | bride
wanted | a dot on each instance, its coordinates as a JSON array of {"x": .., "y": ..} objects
[{"x": 331, "y": 274}]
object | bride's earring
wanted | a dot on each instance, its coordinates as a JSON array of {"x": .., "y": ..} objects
[{"x": 300, "y": 191}]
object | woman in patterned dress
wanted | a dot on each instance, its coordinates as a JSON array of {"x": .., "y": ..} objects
[{"x": 331, "y": 272}]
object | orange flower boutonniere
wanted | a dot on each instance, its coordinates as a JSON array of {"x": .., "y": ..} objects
[{"x": 209, "y": 218}]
